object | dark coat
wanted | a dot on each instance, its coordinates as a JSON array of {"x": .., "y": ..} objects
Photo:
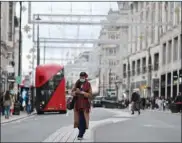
[{"x": 135, "y": 97}]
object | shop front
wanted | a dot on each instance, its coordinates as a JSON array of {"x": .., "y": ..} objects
[
  {"x": 163, "y": 80},
  {"x": 175, "y": 83}
]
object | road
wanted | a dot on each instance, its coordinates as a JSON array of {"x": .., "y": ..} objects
[
  {"x": 108, "y": 125},
  {"x": 148, "y": 127},
  {"x": 38, "y": 127}
]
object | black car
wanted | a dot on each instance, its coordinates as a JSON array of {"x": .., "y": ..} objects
[{"x": 97, "y": 101}]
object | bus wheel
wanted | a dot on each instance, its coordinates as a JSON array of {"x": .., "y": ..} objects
[{"x": 63, "y": 112}]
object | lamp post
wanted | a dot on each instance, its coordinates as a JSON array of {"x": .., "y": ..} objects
[
  {"x": 38, "y": 46},
  {"x": 20, "y": 48}
]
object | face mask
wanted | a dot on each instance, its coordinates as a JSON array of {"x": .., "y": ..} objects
[{"x": 82, "y": 80}]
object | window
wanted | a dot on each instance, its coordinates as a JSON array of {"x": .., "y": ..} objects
[
  {"x": 47, "y": 90},
  {"x": 131, "y": 7},
  {"x": 124, "y": 70},
  {"x": 175, "y": 51},
  {"x": 144, "y": 65},
  {"x": 133, "y": 68},
  {"x": 169, "y": 51},
  {"x": 164, "y": 54},
  {"x": 156, "y": 61},
  {"x": 138, "y": 66}
]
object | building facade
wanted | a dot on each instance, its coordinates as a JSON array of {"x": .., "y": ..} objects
[
  {"x": 153, "y": 49},
  {"x": 7, "y": 28},
  {"x": 112, "y": 54}
]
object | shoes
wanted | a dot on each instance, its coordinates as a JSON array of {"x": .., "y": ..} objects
[
  {"x": 132, "y": 113},
  {"x": 79, "y": 138}
]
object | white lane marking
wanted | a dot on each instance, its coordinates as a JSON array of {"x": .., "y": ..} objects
[
  {"x": 155, "y": 126},
  {"x": 67, "y": 114},
  {"x": 119, "y": 113},
  {"x": 58, "y": 134},
  {"x": 148, "y": 125},
  {"x": 69, "y": 134},
  {"x": 73, "y": 136}
]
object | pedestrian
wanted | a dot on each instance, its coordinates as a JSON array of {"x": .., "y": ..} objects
[
  {"x": 24, "y": 97},
  {"x": 29, "y": 105},
  {"x": 82, "y": 92},
  {"x": 135, "y": 100},
  {"x": 7, "y": 104}
]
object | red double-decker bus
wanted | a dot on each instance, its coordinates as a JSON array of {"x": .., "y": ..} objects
[{"x": 50, "y": 89}]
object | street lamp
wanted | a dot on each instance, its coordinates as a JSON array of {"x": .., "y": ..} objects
[
  {"x": 38, "y": 46},
  {"x": 20, "y": 49}
]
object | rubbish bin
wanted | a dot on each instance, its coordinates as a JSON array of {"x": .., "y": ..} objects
[{"x": 16, "y": 108}]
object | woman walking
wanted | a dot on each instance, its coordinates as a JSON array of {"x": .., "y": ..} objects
[
  {"x": 82, "y": 93},
  {"x": 7, "y": 104}
]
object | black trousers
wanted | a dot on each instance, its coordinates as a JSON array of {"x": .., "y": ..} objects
[{"x": 82, "y": 124}]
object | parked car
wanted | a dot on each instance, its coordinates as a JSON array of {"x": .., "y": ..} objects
[{"x": 97, "y": 101}]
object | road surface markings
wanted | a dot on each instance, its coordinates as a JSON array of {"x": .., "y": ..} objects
[
  {"x": 69, "y": 134},
  {"x": 158, "y": 126},
  {"x": 56, "y": 136}
]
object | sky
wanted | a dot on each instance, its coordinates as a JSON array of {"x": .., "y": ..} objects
[{"x": 61, "y": 31}]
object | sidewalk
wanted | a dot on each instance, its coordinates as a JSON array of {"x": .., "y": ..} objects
[{"x": 15, "y": 117}]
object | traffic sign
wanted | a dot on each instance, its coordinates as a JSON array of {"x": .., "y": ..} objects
[{"x": 18, "y": 79}]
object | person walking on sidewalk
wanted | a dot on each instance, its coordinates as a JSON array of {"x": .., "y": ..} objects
[
  {"x": 7, "y": 104},
  {"x": 135, "y": 100},
  {"x": 82, "y": 92}
]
